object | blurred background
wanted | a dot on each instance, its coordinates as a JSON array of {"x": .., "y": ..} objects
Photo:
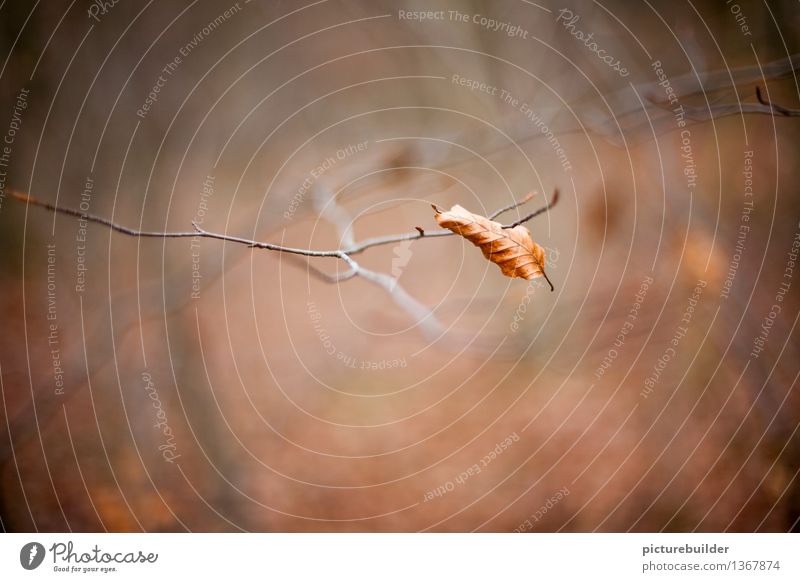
[{"x": 188, "y": 384}]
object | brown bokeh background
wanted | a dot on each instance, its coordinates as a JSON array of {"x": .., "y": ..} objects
[{"x": 275, "y": 433}]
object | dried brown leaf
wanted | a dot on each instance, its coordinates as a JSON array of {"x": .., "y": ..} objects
[{"x": 512, "y": 249}]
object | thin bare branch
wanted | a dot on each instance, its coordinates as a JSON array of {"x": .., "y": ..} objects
[
  {"x": 99, "y": 220},
  {"x": 303, "y": 263},
  {"x": 721, "y": 110},
  {"x": 422, "y": 314},
  {"x": 264, "y": 245},
  {"x": 543, "y": 209},
  {"x": 785, "y": 111},
  {"x": 159, "y": 234},
  {"x": 337, "y": 215},
  {"x": 394, "y": 238},
  {"x": 621, "y": 120},
  {"x": 528, "y": 197},
  {"x": 337, "y": 278},
  {"x": 342, "y": 221}
]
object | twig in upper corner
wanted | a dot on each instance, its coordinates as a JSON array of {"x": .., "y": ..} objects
[
  {"x": 528, "y": 197},
  {"x": 785, "y": 111},
  {"x": 543, "y": 209}
]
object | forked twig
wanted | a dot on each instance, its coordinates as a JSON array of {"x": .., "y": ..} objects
[
  {"x": 542, "y": 210},
  {"x": 342, "y": 221},
  {"x": 338, "y": 253},
  {"x": 785, "y": 111}
]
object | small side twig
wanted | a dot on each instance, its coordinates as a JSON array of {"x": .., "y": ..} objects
[
  {"x": 395, "y": 238},
  {"x": 320, "y": 274},
  {"x": 351, "y": 250},
  {"x": 257, "y": 244},
  {"x": 342, "y": 221},
  {"x": 542, "y": 210},
  {"x": 719, "y": 110},
  {"x": 785, "y": 111},
  {"x": 528, "y": 197}
]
